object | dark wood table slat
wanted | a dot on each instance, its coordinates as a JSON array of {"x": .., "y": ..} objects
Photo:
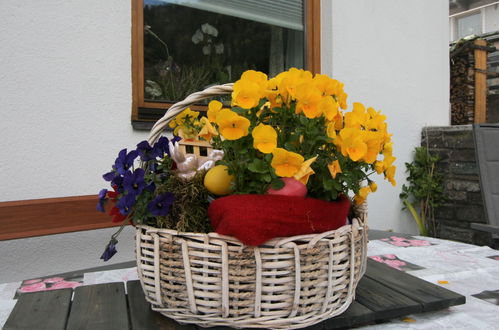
[
  {"x": 355, "y": 314},
  {"x": 143, "y": 317},
  {"x": 431, "y": 296},
  {"x": 32, "y": 310},
  {"x": 383, "y": 301},
  {"x": 100, "y": 306}
]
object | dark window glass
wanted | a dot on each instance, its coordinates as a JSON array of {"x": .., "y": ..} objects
[{"x": 190, "y": 45}]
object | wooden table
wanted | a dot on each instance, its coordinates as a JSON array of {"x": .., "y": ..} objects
[{"x": 383, "y": 293}]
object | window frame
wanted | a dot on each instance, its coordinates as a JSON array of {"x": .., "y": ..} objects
[{"x": 312, "y": 60}]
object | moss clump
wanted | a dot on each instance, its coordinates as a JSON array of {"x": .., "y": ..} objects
[{"x": 189, "y": 212}]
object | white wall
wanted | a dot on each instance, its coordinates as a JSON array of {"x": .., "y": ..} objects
[
  {"x": 392, "y": 55},
  {"x": 65, "y": 99}
]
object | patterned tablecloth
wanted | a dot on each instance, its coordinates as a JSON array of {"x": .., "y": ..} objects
[{"x": 467, "y": 269}]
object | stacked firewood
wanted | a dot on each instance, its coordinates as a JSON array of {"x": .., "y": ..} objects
[{"x": 462, "y": 87}]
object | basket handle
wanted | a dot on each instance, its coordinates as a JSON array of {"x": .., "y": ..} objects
[{"x": 178, "y": 107}]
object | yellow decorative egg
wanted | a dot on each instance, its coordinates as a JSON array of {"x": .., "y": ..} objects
[{"x": 218, "y": 180}]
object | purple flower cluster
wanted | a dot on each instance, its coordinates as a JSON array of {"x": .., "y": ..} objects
[{"x": 135, "y": 186}]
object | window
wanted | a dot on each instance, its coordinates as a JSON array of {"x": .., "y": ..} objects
[
  {"x": 182, "y": 46},
  {"x": 469, "y": 25}
]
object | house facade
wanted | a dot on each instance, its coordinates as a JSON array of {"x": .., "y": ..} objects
[{"x": 66, "y": 95}]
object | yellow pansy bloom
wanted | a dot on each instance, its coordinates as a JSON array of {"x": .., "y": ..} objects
[
  {"x": 326, "y": 85},
  {"x": 379, "y": 167},
  {"x": 208, "y": 131},
  {"x": 358, "y": 117},
  {"x": 352, "y": 143},
  {"x": 246, "y": 94},
  {"x": 331, "y": 130},
  {"x": 264, "y": 138},
  {"x": 376, "y": 120},
  {"x": 213, "y": 108},
  {"x": 185, "y": 115},
  {"x": 308, "y": 98},
  {"x": 329, "y": 108},
  {"x": 305, "y": 171},
  {"x": 362, "y": 195},
  {"x": 289, "y": 81},
  {"x": 390, "y": 174},
  {"x": 231, "y": 125},
  {"x": 374, "y": 144},
  {"x": 255, "y": 76},
  {"x": 334, "y": 168},
  {"x": 286, "y": 163},
  {"x": 373, "y": 186}
]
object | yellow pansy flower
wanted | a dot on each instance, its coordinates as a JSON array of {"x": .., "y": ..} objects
[
  {"x": 305, "y": 171},
  {"x": 208, "y": 131},
  {"x": 326, "y": 85},
  {"x": 334, "y": 168},
  {"x": 213, "y": 108},
  {"x": 264, "y": 138},
  {"x": 358, "y": 117},
  {"x": 374, "y": 144},
  {"x": 331, "y": 130},
  {"x": 184, "y": 116},
  {"x": 390, "y": 174},
  {"x": 352, "y": 143},
  {"x": 373, "y": 186},
  {"x": 329, "y": 108},
  {"x": 246, "y": 94},
  {"x": 257, "y": 77},
  {"x": 362, "y": 195},
  {"x": 231, "y": 125},
  {"x": 289, "y": 81},
  {"x": 308, "y": 98},
  {"x": 286, "y": 163}
]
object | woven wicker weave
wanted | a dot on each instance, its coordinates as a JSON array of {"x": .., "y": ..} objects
[{"x": 213, "y": 280}]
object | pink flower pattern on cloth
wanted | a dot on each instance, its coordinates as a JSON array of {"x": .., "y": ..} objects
[
  {"x": 393, "y": 261},
  {"x": 405, "y": 242},
  {"x": 51, "y": 283}
]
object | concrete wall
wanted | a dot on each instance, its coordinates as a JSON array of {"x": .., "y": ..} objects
[{"x": 65, "y": 98}]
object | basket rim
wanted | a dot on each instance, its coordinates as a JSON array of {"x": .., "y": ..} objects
[{"x": 312, "y": 239}]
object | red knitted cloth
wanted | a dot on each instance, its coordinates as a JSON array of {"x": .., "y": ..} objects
[{"x": 254, "y": 219}]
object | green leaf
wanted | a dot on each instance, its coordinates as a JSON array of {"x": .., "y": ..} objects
[
  {"x": 277, "y": 184},
  {"x": 258, "y": 166}
]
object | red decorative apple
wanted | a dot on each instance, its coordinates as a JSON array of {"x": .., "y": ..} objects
[{"x": 292, "y": 187}]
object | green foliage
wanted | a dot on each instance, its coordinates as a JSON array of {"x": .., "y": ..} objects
[{"x": 424, "y": 191}]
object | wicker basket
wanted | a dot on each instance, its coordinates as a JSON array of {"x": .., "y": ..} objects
[{"x": 214, "y": 280}]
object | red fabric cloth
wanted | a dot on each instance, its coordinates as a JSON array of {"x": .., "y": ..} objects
[{"x": 255, "y": 219}]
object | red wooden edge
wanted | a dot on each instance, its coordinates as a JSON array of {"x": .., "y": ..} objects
[{"x": 29, "y": 218}]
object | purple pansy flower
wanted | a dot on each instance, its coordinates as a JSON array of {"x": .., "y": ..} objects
[
  {"x": 125, "y": 161},
  {"x": 160, "y": 206},
  {"x": 110, "y": 250},
  {"x": 161, "y": 147},
  {"x": 109, "y": 176},
  {"x": 117, "y": 184},
  {"x": 146, "y": 152},
  {"x": 126, "y": 203},
  {"x": 134, "y": 183},
  {"x": 102, "y": 200}
]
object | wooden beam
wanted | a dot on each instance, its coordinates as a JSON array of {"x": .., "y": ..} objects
[
  {"x": 28, "y": 218},
  {"x": 480, "y": 82},
  {"x": 313, "y": 35},
  {"x": 137, "y": 57}
]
